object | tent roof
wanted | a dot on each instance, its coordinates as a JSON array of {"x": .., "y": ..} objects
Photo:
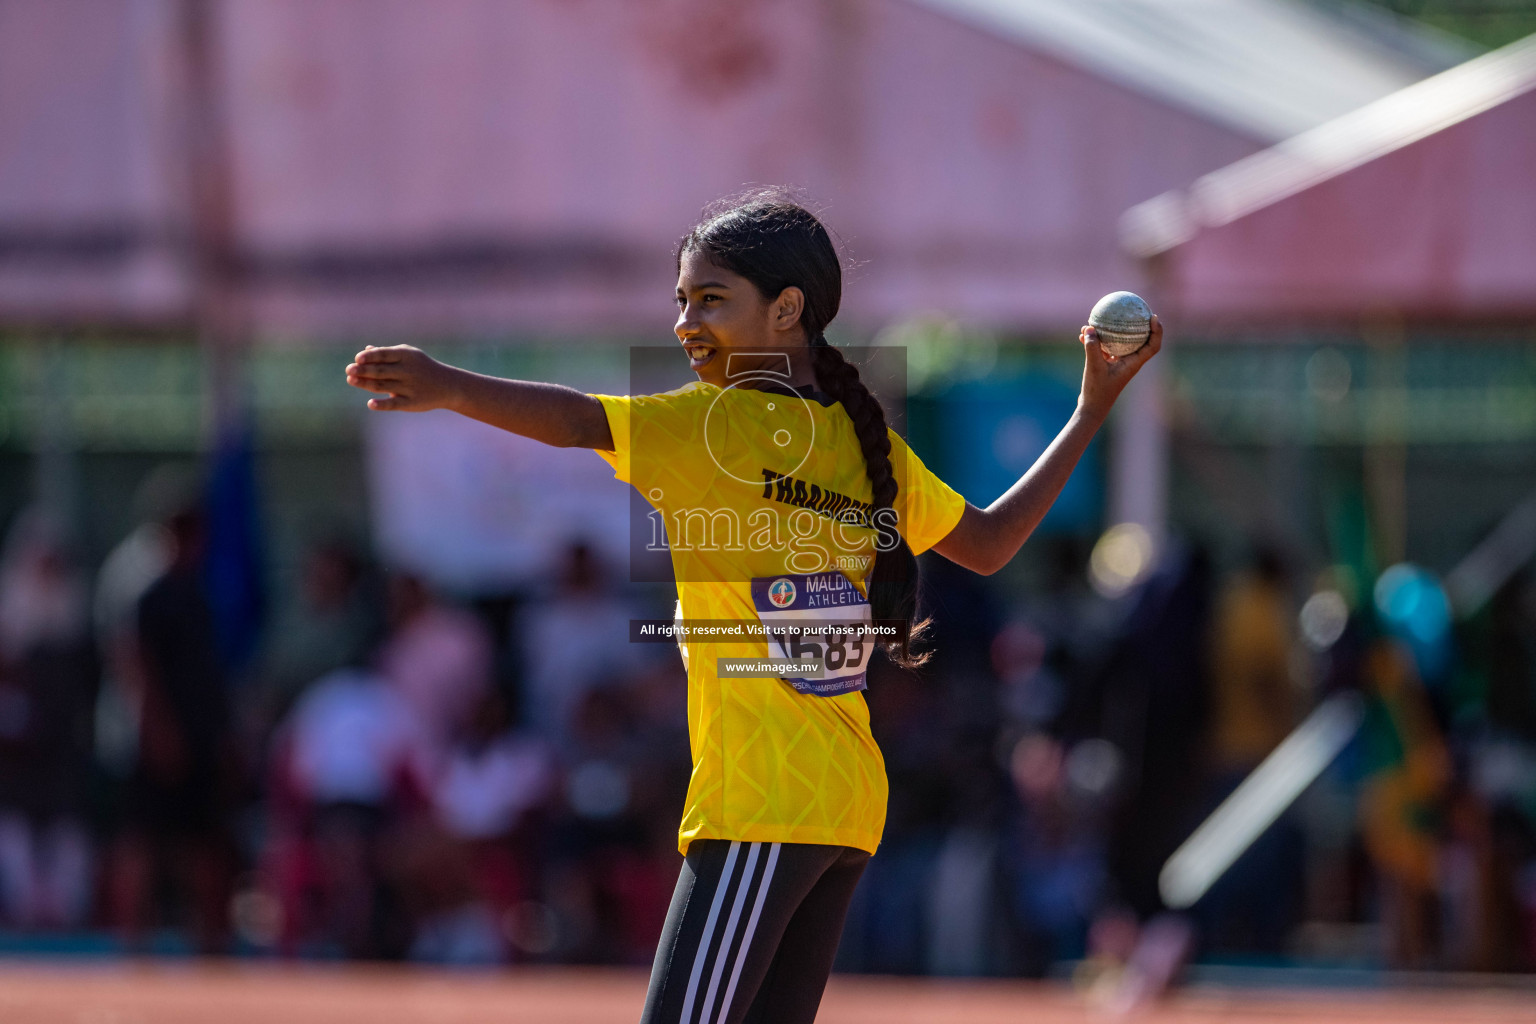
[
  {"x": 1269, "y": 68},
  {"x": 1421, "y": 202},
  {"x": 476, "y": 166}
]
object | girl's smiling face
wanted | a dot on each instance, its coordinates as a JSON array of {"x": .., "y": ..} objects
[{"x": 726, "y": 326}]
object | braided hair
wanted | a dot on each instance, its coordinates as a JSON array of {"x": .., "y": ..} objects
[{"x": 776, "y": 243}]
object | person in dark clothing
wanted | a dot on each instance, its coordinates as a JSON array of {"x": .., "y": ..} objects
[
  {"x": 1154, "y": 693},
  {"x": 48, "y": 676},
  {"x": 177, "y": 798}
]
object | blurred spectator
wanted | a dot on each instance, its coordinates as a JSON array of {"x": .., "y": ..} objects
[
  {"x": 1056, "y": 639},
  {"x": 887, "y": 928},
  {"x": 1040, "y": 770},
  {"x": 1502, "y": 773},
  {"x": 131, "y": 567},
  {"x": 178, "y": 798},
  {"x": 351, "y": 739},
  {"x": 473, "y": 870},
  {"x": 1064, "y": 776},
  {"x": 329, "y": 624},
  {"x": 1511, "y": 645},
  {"x": 1254, "y": 702},
  {"x": 1254, "y": 706},
  {"x": 1407, "y": 768},
  {"x": 1152, "y": 695},
  {"x": 575, "y": 638},
  {"x": 437, "y": 658},
  {"x": 962, "y": 912},
  {"x": 48, "y": 680},
  {"x": 611, "y": 875},
  {"x": 1468, "y": 927},
  {"x": 1054, "y": 859},
  {"x": 349, "y": 762},
  {"x": 492, "y": 776}
]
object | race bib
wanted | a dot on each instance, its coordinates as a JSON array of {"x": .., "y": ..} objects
[{"x": 813, "y": 617}]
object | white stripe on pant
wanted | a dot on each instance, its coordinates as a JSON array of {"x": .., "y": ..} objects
[
  {"x": 746, "y": 942},
  {"x": 743, "y": 891},
  {"x": 769, "y": 915},
  {"x": 709, "y": 931}
]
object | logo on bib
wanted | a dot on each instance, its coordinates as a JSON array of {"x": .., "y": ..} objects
[{"x": 782, "y": 593}]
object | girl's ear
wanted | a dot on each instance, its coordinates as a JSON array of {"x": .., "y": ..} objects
[{"x": 787, "y": 308}]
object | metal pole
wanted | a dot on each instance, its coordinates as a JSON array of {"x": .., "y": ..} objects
[{"x": 218, "y": 307}]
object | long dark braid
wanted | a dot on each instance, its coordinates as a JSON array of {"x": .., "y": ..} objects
[
  {"x": 776, "y": 243},
  {"x": 893, "y": 580}
]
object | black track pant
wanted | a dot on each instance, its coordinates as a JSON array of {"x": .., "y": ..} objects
[{"x": 752, "y": 933}]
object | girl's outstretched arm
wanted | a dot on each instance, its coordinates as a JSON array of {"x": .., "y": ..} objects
[
  {"x": 985, "y": 540},
  {"x": 412, "y": 381}
]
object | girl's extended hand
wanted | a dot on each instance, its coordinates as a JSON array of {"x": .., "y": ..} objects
[
  {"x": 1105, "y": 376},
  {"x": 411, "y": 380}
]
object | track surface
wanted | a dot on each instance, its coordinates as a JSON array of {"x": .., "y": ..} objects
[{"x": 156, "y": 993}]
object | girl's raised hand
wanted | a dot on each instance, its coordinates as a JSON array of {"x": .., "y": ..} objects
[
  {"x": 1105, "y": 376},
  {"x": 410, "y": 380}
]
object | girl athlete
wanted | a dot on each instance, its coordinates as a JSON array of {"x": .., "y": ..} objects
[{"x": 787, "y": 499}]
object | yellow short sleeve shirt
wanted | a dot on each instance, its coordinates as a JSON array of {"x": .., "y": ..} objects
[{"x": 752, "y": 488}]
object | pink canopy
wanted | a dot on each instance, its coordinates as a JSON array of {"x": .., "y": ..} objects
[
  {"x": 1420, "y": 205},
  {"x": 479, "y": 165}
]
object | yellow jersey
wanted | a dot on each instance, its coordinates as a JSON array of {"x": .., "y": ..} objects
[{"x": 764, "y": 500}]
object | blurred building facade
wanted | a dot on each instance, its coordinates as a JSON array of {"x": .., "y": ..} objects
[{"x": 478, "y": 166}]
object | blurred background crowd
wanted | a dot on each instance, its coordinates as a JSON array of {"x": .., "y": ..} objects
[
  {"x": 278, "y": 677},
  {"x": 390, "y": 772}
]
